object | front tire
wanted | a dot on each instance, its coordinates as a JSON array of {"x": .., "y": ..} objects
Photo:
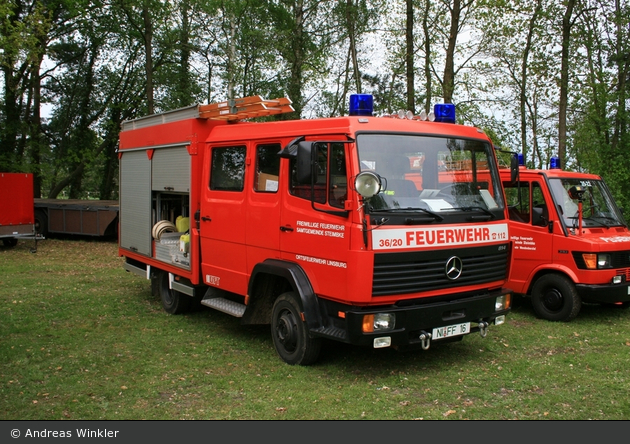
[
  {"x": 173, "y": 301},
  {"x": 555, "y": 298},
  {"x": 290, "y": 334}
]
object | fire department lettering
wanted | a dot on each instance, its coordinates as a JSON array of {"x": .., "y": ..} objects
[{"x": 438, "y": 236}]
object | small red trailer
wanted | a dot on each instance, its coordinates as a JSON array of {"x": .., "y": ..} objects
[{"x": 17, "y": 214}]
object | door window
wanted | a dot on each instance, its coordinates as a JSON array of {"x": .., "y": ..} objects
[
  {"x": 227, "y": 172},
  {"x": 267, "y": 168}
]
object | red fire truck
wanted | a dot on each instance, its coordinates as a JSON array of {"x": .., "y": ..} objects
[
  {"x": 373, "y": 231},
  {"x": 570, "y": 242}
]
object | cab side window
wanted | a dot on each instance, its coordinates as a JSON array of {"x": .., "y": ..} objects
[
  {"x": 517, "y": 196},
  {"x": 267, "y": 168},
  {"x": 338, "y": 180},
  {"x": 331, "y": 182},
  {"x": 540, "y": 211},
  {"x": 227, "y": 172}
]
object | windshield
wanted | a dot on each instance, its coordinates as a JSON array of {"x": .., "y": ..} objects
[
  {"x": 598, "y": 207},
  {"x": 432, "y": 174}
]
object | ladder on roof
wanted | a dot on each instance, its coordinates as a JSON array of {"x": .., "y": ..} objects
[{"x": 245, "y": 108}]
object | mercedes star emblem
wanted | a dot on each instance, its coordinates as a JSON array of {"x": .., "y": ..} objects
[{"x": 454, "y": 268}]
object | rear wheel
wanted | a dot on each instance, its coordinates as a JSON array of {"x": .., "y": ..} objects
[
  {"x": 173, "y": 301},
  {"x": 290, "y": 333},
  {"x": 41, "y": 223},
  {"x": 555, "y": 298}
]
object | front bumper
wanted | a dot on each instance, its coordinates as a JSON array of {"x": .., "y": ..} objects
[
  {"x": 414, "y": 321},
  {"x": 607, "y": 294}
]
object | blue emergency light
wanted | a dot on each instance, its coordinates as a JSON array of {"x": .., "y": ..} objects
[
  {"x": 361, "y": 104},
  {"x": 554, "y": 163},
  {"x": 444, "y": 112},
  {"x": 521, "y": 160}
]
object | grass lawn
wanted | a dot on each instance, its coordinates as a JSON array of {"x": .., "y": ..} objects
[{"x": 82, "y": 339}]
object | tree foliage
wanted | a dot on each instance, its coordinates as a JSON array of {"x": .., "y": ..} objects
[{"x": 541, "y": 76}]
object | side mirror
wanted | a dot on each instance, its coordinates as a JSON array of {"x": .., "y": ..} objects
[
  {"x": 305, "y": 162},
  {"x": 540, "y": 219},
  {"x": 514, "y": 169},
  {"x": 537, "y": 217}
]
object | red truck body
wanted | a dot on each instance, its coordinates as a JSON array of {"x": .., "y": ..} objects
[
  {"x": 571, "y": 243},
  {"x": 17, "y": 218},
  {"x": 274, "y": 222}
]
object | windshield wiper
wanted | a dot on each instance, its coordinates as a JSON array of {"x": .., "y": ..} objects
[
  {"x": 435, "y": 216},
  {"x": 605, "y": 218},
  {"x": 488, "y": 212}
]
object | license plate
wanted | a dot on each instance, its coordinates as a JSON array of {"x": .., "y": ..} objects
[{"x": 451, "y": 330}]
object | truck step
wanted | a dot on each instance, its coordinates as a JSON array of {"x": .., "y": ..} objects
[{"x": 226, "y": 306}]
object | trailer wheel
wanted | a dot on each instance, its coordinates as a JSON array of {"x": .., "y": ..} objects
[
  {"x": 555, "y": 298},
  {"x": 290, "y": 333},
  {"x": 41, "y": 223},
  {"x": 11, "y": 242},
  {"x": 173, "y": 301}
]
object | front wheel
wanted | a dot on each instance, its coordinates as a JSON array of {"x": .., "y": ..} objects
[
  {"x": 173, "y": 301},
  {"x": 555, "y": 298},
  {"x": 290, "y": 333}
]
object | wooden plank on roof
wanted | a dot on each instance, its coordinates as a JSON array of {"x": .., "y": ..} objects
[{"x": 245, "y": 108}]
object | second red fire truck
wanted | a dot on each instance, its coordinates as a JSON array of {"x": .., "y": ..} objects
[
  {"x": 571, "y": 243},
  {"x": 373, "y": 231}
]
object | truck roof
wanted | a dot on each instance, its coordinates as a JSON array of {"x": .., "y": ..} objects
[
  {"x": 338, "y": 125},
  {"x": 551, "y": 173},
  {"x": 229, "y": 122}
]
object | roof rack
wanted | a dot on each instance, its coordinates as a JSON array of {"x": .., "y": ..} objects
[
  {"x": 245, "y": 108},
  {"x": 231, "y": 110}
]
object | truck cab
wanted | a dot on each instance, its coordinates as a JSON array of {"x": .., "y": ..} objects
[{"x": 571, "y": 243}]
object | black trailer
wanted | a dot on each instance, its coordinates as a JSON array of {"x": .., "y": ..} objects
[{"x": 78, "y": 217}]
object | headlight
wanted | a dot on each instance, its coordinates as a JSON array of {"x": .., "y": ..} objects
[
  {"x": 604, "y": 261},
  {"x": 595, "y": 261},
  {"x": 378, "y": 322},
  {"x": 502, "y": 302},
  {"x": 367, "y": 184}
]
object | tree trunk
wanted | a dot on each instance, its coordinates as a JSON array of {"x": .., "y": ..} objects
[
  {"x": 350, "y": 19},
  {"x": 427, "y": 56},
  {"x": 148, "y": 49},
  {"x": 564, "y": 81},
  {"x": 409, "y": 55},
  {"x": 449, "y": 64},
  {"x": 524, "y": 75}
]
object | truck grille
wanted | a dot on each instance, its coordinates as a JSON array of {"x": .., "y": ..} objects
[{"x": 413, "y": 272}]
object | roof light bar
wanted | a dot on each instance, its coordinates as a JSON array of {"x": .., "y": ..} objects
[
  {"x": 554, "y": 163},
  {"x": 444, "y": 112},
  {"x": 361, "y": 105}
]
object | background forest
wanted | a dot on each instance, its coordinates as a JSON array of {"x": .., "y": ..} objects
[{"x": 542, "y": 77}]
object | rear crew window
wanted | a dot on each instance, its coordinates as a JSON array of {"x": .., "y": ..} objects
[
  {"x": 227, "y": 171},
  {"x": 267, "y": 168}
]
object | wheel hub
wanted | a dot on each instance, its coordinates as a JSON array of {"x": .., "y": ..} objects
[
  {"x": 553, "y": 300},
  {"x": 286, "y": 331}
]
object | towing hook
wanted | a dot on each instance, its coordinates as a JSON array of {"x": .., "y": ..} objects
[
  {"x": 483, "y": 328},
  {"x": 425, "y": 338}
]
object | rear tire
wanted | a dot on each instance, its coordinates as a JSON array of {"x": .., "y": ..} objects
[
  {"x": 41, "y": 223},
  {"x": 173, "y": 301},
  {"x": 555, "y": 298},
  {"x": 290, "y": 334}
]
